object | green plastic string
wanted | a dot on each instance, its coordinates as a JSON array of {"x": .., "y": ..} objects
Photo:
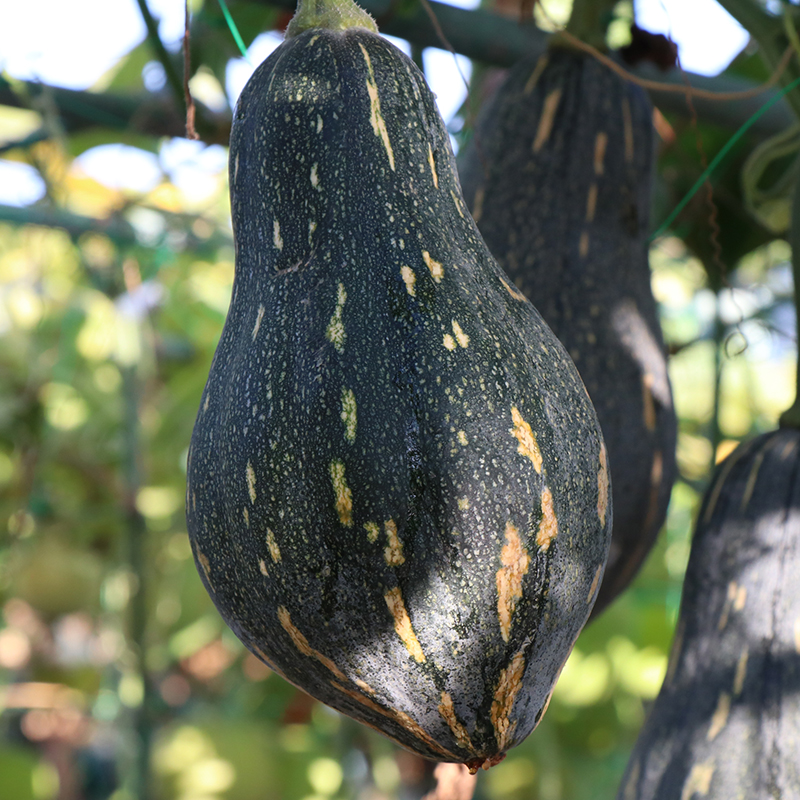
[
  {"x": 234, "y": 30},
  {"x": 718, "y": 158}
]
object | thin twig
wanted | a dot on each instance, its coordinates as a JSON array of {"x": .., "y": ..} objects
[
  {"x": 443, "y": 39},
  {"x": 470, "y": 109},
  {"x": 191, "y": 132},
  {"x": 704, "y": 94},
  {"x": 161, "y": 52}
]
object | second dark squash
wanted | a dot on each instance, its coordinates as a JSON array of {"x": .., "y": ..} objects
[{"x": 557, "y": 178}]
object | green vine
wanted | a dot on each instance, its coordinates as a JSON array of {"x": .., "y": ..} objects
[
  {"x": 791, "y": 30},
  {"x": 772, "y": 34},
  {"x": 763, "y": 156}
]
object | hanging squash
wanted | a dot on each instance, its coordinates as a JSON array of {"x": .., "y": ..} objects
[
  {"x": 398, "y": 495},
  {"x": 726, "y": 723},
  {"x": 557, "y": 178}
]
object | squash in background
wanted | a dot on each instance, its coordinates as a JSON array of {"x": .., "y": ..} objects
[
  {"x": 397, "y": 487},
  {"x": 726, "y": 723},
  {"x": 557, "y": 177}
]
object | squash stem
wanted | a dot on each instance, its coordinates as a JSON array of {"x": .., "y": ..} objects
[
  {"x": 334, "y": 15},
  {"x": 791, "y": 417},
  {"x": 590, "y": 20}
]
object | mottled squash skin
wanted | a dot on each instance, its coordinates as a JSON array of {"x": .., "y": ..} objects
[
  {"x": 726, "y": 724},
  {"x": 397, "y": 493},
  {"x": 558, "y": 179}
]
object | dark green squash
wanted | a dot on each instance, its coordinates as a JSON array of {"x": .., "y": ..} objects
[
  {"x": 726, "y": 723},
  {"x": 397, "y": 488},
  {"x": 558, "y": 179}
]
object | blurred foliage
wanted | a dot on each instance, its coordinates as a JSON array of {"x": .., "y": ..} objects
[{"x": 104, "y": 351}]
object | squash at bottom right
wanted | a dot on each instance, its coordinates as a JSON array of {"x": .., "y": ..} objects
[{"x": 726, "y": 723}]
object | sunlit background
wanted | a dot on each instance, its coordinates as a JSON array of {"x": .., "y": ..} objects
[
  {"x": 79, "y": 45},
  {"x": 105, "y": 343}
]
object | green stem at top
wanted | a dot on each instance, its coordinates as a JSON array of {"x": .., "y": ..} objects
[
  {"x": 334, "y": 15},
  {"x": 791, "y": 417},
  {"x": 589, "y": 21}
]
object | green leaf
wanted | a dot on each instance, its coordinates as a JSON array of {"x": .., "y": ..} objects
[{"x": 127, "y": 74}]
